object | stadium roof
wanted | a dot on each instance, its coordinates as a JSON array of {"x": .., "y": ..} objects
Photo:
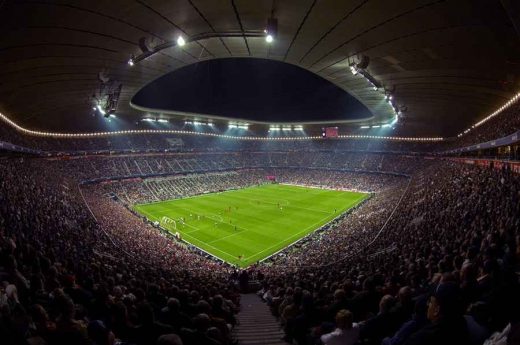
[
  {"x": 446, "y": 63},
  {"x": 250, "y": 90}
]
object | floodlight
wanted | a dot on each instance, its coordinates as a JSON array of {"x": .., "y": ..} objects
[
  {"x": 271, "y": 30},
  {"x": 101, "y": 110}
]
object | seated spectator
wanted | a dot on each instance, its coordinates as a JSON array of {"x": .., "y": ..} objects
[
  {"x": 418, "y": 321},
  {"x": 340, "y": 302},
  {"x": 476, "y": 321},
  {"x": 346, "y": 332},
  {"x": 447, "y": 325},
  {"x": 148, "y": 330},
  {"x": 373, "y": 330},
  {"x": 99, "y": 334},
  {"x": 173, "y": 316},
  {"x": 169, "y": 339},
  {"x": 199, "y": 335},
  {"x": 68, "y": 329}
]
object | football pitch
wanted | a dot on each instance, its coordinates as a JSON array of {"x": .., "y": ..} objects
[{"x": 244, "y": 226}]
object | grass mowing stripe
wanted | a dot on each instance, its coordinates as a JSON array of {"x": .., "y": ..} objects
[
  {"x": 297, "y": 234},
  {"x": 248, "y": 223}
]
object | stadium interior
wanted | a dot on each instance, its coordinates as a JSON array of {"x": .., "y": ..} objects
[{"x": 236, "y": 172}]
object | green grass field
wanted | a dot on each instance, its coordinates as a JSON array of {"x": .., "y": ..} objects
[{"x": 253, "y": 222}]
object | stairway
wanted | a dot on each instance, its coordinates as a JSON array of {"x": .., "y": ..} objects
[{"x": 257, "y": 326}]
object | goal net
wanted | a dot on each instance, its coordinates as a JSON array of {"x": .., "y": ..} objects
[{"x": 168, "y": 222}]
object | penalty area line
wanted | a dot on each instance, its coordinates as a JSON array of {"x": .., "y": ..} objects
[
  {"x": 194, "y": 239},
  {"x": 209, "y": 245},
  {"x": 230, "y": 235}
]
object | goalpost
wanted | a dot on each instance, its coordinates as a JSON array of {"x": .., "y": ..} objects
[{"x": 168, "y": 221}]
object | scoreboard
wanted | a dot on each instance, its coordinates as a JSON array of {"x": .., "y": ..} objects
[{"x": 329, "y": 132}]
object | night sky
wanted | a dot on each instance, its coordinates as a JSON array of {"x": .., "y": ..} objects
[{"x": 253, "y": 89}]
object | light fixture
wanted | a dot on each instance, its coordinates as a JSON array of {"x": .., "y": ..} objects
[
  {"x": 173, "y": 131},
  {"x": 180, "y": 41},
  {"x": 272, "y": 30},
  {"x": 101, "y": 110},
  {"x": 131, "y": 61}
]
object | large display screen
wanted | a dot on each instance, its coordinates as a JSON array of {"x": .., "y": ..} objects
[{"x": 330, "y": 132}]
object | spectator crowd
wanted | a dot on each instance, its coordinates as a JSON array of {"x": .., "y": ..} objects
[{"x": 431, "y": 258}]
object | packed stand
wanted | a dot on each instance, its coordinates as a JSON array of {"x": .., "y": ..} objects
[
  {"x": 137, "y": 165},
  {"x": 504, "y": 124},
  {"x": 443, "y": 270},
  {"x": 431, "y": 259},
  {"x": 69, "y": 279},
  {"x": 181, "y": 186}
]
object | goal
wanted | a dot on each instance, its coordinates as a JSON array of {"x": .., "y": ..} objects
[{"x": 170, "y": 223}]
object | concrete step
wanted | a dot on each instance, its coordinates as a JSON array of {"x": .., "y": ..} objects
[{"x": 257, "y": 326}]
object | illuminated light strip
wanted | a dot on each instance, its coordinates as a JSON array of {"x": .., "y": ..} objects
[
  {"x": 490, "y": 116},
  {"x": 175, "y": 131},
  {"x": 100, "y": 110}
]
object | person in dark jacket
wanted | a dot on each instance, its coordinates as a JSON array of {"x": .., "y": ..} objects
[
  {"x": 377, "y": 327},
  {"x": 418, "y": 321},
  {"x": 445, "y": 313}
]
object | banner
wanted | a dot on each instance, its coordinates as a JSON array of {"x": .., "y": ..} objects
[
  {"x": 507, "y": 140},
  {"x": 5, "y": 146},
  {"x": 490, "y": 163}
]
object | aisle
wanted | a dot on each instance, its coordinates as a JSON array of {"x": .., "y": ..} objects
[{"x": 257, "y": 325}]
